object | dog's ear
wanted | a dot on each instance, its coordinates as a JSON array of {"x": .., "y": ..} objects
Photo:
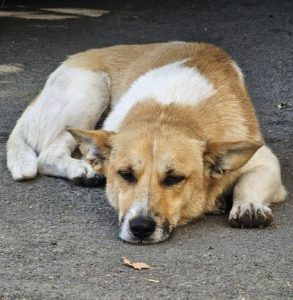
[
  {"x": 220, "y": 158},
  {"x": 93, "y": 144}
]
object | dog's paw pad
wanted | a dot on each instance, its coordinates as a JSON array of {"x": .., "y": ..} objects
[
  {"x": 250, "y": 215},
  {"x": 97, "y": 181}
]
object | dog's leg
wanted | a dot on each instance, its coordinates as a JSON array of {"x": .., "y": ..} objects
[
  {"x": 56, "y": 160},
  {"x": 258, "y": 186},
  {"x": 72, "y": 97}
]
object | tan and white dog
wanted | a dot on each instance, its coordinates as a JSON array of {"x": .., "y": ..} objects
[{"x": 180, "y": 133}]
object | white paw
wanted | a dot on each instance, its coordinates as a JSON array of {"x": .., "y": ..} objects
[
  {"x": 80, "y": 168},
  {"x": 250, "y": 214},
  {"x": 23, "y": 172}
]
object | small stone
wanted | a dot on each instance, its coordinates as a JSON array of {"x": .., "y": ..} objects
[{"x": 283, "y": 105}]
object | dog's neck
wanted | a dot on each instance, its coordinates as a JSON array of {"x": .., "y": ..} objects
[{"x": 151, "y": 117}]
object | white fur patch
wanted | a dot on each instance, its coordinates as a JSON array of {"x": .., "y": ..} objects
[
  {"x": 238, "y": 70},
  {"x": 138, "y": 209},
  {"x": 172, "y": 83}
]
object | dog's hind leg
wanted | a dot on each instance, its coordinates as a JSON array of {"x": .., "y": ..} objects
[
  {"x": 72, "y": 97},
  {"x": 87, "y": 94},
  {"x": 258, "y": 186}
]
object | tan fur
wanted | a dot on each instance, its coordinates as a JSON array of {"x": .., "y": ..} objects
[
  {"x": 181, "y": 131},
  {"x": 186, "y": 139},
  {"x": 163, "y": 125},
  {"x": 232, "y": 104}
]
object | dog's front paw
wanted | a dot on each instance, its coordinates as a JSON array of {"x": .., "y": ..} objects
[
  {"x": 97, "y": 181},
  {"x": 80, "y": 168},
  {"x": 250, "y": 215}
]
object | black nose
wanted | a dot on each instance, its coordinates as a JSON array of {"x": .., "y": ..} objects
[{"x": 142, "y": 227}]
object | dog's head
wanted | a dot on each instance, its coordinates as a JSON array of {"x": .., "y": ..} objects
[{"x": 159, "y": 180}]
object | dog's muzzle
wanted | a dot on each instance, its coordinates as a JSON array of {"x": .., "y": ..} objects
[{"x": 143, "y": 230}]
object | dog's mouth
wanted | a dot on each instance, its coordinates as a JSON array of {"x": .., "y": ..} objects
[{"x": 144, "y": 230}]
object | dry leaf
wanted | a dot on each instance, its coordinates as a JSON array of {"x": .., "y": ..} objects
[
  {"x": 154, "y": 280},
  {"x": 135, "y": 265}
]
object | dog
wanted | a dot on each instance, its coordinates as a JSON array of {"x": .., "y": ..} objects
[{"x": 180, "y": 132}]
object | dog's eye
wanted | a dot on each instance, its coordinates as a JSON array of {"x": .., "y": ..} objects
[
  {"x": 127, "y": 175},
  {"x": 172, "y": 180}
]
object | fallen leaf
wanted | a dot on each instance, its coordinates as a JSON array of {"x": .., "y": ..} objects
[
  {"x": 154, "y": 280},
  {"x": 135, "y": 265}
]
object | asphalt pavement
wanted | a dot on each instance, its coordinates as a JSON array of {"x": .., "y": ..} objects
[{"x": 59, "y": 241}]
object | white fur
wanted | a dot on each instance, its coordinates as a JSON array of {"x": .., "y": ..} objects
[
  {"x": 56, "y": 160},
  {"x": 139, "y": 208},
  {"x": 239, "y": 72},
  {"x": 260, "y": 183},
  {"x": 172, "y": 83},
  {"x": 21, "y": 158},
  {"x": 71, "y": 97}
]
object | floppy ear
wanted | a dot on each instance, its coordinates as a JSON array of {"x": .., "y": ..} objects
[
  {"x": 220, "y": 158},
  {"x": 93, "y": 144}
]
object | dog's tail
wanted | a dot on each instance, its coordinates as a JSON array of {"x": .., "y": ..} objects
[{"x": 21, "y": 158}]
